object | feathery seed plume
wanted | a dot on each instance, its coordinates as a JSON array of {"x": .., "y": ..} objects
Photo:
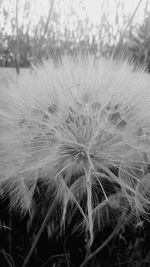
[{"x": 81, "y": 126}]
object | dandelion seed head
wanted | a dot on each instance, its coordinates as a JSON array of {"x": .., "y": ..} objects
[{"x": 84, "y": 125}]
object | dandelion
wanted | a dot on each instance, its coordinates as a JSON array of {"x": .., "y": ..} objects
[{"x": 82, "y": 127}]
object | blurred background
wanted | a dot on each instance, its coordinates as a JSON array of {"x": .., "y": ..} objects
[{"x": 31, "y": 30}]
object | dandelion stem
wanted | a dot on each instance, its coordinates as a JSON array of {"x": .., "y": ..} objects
[
  {"x": 89, "y": 203},
  {"x": 97, "y": 177}
]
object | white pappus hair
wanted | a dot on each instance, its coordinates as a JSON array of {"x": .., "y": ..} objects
[{"x": 83, "y": 127}]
